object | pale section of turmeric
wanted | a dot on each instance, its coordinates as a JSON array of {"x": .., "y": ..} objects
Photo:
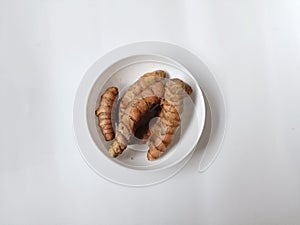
[
  {"x": 138, "y": 87},
  {"x": 105, "y": 111},
  {"x": 137, "y": 108},
  {"x": 164, "y": 129}
]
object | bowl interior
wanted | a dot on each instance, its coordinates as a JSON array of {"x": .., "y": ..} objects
[{"x": 124, "y": 73}]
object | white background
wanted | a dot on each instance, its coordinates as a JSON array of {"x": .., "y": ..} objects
[{"x": 253, "y": 47}]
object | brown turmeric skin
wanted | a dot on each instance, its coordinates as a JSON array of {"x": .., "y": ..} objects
[
  {"x": 138, "y": 87},
  {"x": 137, "y": 108},
  {"x": 164, "y": 129},
  {"x": 105, "y": 111}
]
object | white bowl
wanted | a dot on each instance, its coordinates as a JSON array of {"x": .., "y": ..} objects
[{"x": 122, "y": 74}]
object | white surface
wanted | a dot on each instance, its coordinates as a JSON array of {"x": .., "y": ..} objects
[{"x": 253, "y": 48}]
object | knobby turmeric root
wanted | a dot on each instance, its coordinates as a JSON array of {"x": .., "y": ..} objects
[
  {"x": 137, "y": 108},
  {"x": 104, "y": 113},
  {"x": 168, "y": 121},
  {"x": 138, "y": 87}
]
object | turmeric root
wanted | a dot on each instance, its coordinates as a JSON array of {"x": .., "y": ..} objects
[
  {"x": 138, "y": 87},
  {"x": 140, "y": 105},
  {"x": 104, "y": 113},
  {"x": 142, "y": 131},
  {"x": 163, "y": 130}
]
